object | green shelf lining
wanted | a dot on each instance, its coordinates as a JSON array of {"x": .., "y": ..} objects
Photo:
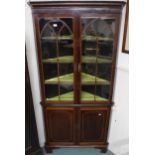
[
  {"x": 63, "y": 59},
  {"x": 91, "y": 59},
  {"x": 94, "y": 38},
  {"x": 85, "y": 59},
  {"x": 65, "y": 37},
  {"x": 85, "y": 96},
  {"x": 90, "y": 79},
  {"x": 64, "y": 79},
  {"x": 86, "y": 79}
]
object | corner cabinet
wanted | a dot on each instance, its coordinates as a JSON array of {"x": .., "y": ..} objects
[{"x": 76, "y": 47}]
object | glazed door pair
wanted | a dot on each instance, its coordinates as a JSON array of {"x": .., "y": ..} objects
[{"x": 76, "y": 58}]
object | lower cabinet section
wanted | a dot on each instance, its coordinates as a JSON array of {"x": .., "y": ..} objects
[{"x": 76, "y": 126}]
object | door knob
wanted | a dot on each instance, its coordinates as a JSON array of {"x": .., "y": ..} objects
[{"x": 99, "y": 114}]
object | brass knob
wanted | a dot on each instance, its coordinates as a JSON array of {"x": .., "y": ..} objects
[{"x": 99, "y": 114}]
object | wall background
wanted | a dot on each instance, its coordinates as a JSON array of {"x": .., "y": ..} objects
[{"x": 118, "y": 134}]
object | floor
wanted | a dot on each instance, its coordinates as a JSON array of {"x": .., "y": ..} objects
[{"x": 78, "y": 151}]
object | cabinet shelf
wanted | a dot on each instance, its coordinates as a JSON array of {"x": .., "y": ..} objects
[
  {"x": 85, "y": 59},
  {"x": 94, "y": 38},
  {"x": 63, "y": 59},
  {"x": 64, "y": 79},
  {"x": 92, "y": 59},
  {"x": 65, "y": 37},
  {"x": 90, "y": 79},
  {"x": 86, "y": 79},
  {"x": 85, "y": 96}
]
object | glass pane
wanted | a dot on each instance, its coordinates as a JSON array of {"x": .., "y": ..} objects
[
  {"x": 57, "y": 58},
  {"x": 97, "y": 49}
]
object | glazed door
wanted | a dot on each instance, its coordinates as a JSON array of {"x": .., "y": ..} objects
[
  {"x": 98, "y": 54},
  {"x": 57, "y": 57}
]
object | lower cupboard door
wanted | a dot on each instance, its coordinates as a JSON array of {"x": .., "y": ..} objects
[
  {"x": 60, "y": 125},
  {"x": 93, "y": 125}
]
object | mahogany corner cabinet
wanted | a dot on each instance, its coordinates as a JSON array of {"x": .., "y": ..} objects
[{"x": 77, "y": 48}]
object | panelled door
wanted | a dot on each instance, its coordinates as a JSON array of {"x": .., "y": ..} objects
[
  {"x": 61, "y": 125},
  {"x": 93, "y": 124}
]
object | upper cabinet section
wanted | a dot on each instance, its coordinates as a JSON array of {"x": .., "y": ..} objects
[{"x": 77, "y": 46}]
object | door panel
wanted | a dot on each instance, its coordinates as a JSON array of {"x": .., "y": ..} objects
[
  {"x": 98, "y": 34},
  {"x": 57, "y": 57},
  {"x": 60, "y": 124},
  {"x": 93, "y": 125}
]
